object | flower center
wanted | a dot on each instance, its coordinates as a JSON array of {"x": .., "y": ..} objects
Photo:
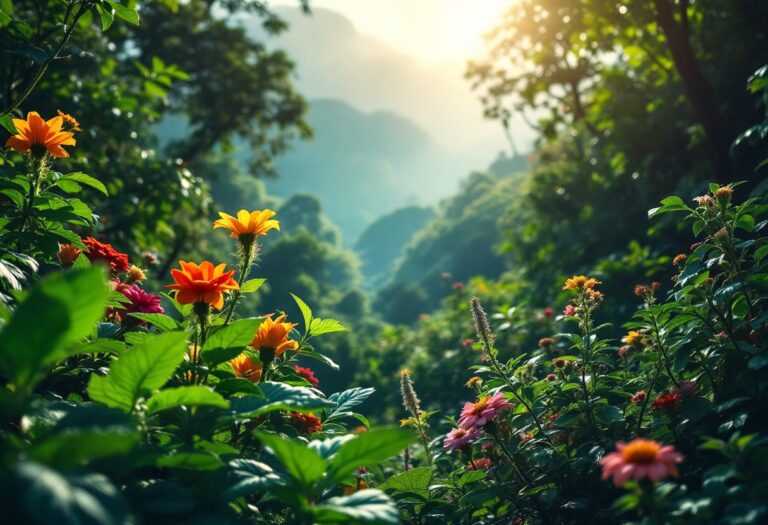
[
  {"x": 641, "y": 451},
  {"x": 479, "y": 407}
]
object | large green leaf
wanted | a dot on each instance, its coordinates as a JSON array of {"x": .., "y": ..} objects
[
  {"x": 325, "y": 326},
  {"x": 62, "y": 310},
  {"x": 279, "y": 396},
  {"x": 306, "y": 311},
  {"x": 365, "y": 506},
  {"x": 73, "y": 449},
  {"x": 162, "y": 322},
  {"x": 82, "y": 178},
  {"x": 368, "y": 449},
  {"x": 302, "y": 463},
  {"x": 230, "y": 341},
  {"x": 42, "y": 495},
  {"x": 196, "y": 395},
  {"x": 416, "y": 480},
  {"x": 139, "y": 371}
]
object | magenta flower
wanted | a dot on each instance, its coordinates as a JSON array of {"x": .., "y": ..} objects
[
  {"x": 141, "y": 301},
  {"x": 640, "y": 459},
  {"x": 459, "y": 437},
  {"x": 486, "y": 408}
]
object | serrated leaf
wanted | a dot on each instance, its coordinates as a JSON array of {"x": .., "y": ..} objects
[
  {"x": 416, "y": 480},
  {"x": 306, "y": 311},
  {"x": 251, "y": 285},
  {"x": 279, "y": 396},
  {"x": 325, "y": 326}
]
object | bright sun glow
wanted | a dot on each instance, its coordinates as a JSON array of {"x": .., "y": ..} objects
[{"x": 428, "y": 30}]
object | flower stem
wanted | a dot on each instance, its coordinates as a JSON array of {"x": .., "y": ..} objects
[{"x": 246, "y": 258}]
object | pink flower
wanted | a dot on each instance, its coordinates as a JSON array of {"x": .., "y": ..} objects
[
  {"x": 458, "y": 286},
  {"x": 486, "y": 408},
  {"x": 459, "y": 437},
  {"x": 479, "y": 464},
  {"x": 640, "y": 459},
  {"x": 639, "y": 396},
  {"x": 141, "y": 301},
  {"x": 570, "y": 311}
]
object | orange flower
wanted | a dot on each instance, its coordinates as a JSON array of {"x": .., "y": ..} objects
[
  {"x": 255, "y": 223},
  {"x": 202, "y": 283},
  {"x": 580, "y": 281},
  {"x": 68, "y": 254},
  {"x": 274, "y": 335},
  {"x": 70, "y": 122},
  {"x": 243, "y": 366},
  {"x": 35, "y": 134}
]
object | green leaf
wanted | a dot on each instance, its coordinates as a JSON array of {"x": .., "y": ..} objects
[
  {"x": 162, "y": 322},
  {"x": 230, "y": 341},
  {"x": 325, "y": 326},
  {"x": 45, "y": 496},
  {"x": 302, "y": 463},
  {"x": 126, "y": 13},
  {"x": 73, "y": 449},
  {"x": 107, "y": 16},
  {"x": 608, "y": 414},
  {"x": 201, "y": 461},
  {"x": 67, "y": 305},
  {"x": 249, "y": 476},
  {"x": 279, "y": 396},
  {"x": 139, "y": 371},
  {"x": 365, "y": 506},
  {"x": 251, "y": 285},
  {"x": 6, "y": 121},
  {"x": 306, "y": 312},
  {"x": 368, "y": 449},
  {"x": 97, "y": 346},
  {"x": 196, "y": 395},
  {"x": 416, "y": 480},
  {"x": 87, "y": 180}
]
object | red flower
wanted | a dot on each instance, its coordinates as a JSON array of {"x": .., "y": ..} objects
[
  {"x": 468, "y": 342},
  {"x": 479, "y": 464},
  {"x": 306, "y": 423},
  {"x": 458, "y": 286},
  {"x": 307, "y": 374},
  {"x": 551, "y": 377},
  {"x": 548, "y": 311},
  {"x": 100, "y": 251},
  {"x": 666, "y": 401},
  {"x": 546, "y": 342},
  {"x": 639, "y": 396}
]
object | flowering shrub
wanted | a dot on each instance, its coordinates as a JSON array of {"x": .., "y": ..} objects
[
  {"x": 665, "y": 425},
  {"x": 116, "y": 409}
]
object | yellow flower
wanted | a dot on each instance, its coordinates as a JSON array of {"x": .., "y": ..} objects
[
  {"x": 580, "y": 281},
  {"x": 254, "y": 224},
  {"x": 38, "y": 136},
  {"x": 70, "y": 122},
  {"x": 633, "y": 338},
  {"x": 274, "y": 335},
  {"x": 136, "y": 274},
  {"x": 473, "y": 381},
  {"x": 243, "y": 366}
]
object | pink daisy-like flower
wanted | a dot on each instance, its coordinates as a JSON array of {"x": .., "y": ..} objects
[
  {"x": 486, "y": 408},
  {"x": 141, "y": 301},
  {"x": 459, "y": 437},
  {"x": 640, "y": 459}
]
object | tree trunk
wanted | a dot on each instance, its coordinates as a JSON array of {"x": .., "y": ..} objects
[{"x": 698, "y": 90}]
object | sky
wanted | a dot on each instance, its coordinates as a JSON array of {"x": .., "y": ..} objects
[{"x": 428, "y": 30}]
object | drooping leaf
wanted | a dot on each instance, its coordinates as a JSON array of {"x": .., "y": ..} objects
[
  {"x": 139, "y": 371},
  {"x": 365, "y": 506},
  {"x": 302, "y": 463}
]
